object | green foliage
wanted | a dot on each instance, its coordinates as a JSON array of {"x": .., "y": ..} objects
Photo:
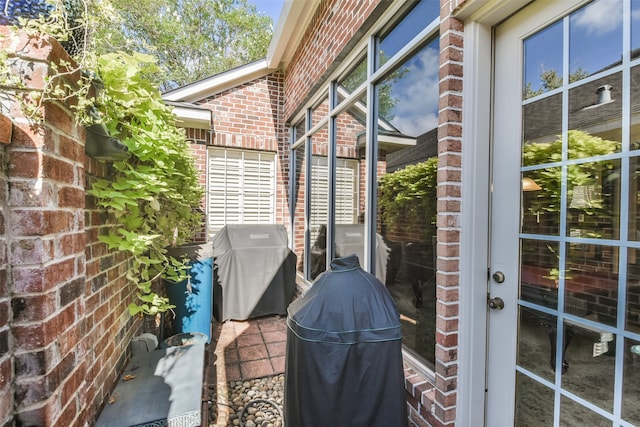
[
  {"x": 407, "y": 198},
  {"x": 153, "y": 197},
  {"x": 580, "y": 145},
  {"x": 551, "y": 80},
  {"x": 192, "y": 39}
]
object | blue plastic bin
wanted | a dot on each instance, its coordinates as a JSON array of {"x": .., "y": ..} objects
[{"x": 193, "y": 312}]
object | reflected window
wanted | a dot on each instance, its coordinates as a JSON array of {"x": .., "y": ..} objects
[{"x": 407, "y": 133}]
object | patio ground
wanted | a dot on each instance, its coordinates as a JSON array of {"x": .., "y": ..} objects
[{"x": 240, "y": 351}]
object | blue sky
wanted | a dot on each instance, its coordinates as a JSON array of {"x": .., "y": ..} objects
[{"x": 271, "y": 8}]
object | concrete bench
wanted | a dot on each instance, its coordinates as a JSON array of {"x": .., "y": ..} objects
[{"x": 158, "y": 388}]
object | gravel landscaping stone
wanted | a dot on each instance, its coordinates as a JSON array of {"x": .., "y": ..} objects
[{"x": 252, "y": 403}]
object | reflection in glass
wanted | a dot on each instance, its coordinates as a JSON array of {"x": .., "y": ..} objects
[
  {"x": 631, "y": 385},
  {"x": 593, "y": 200},
  {"x": 634, "y": 198},
  {"x": 543, "y": 61},
  {"x": 595, "y": 38},
  {"x": 419, "y": 18},
  {"x": 299, "y": 131},
  {"x": 320, "y": 111},
  {"x": 595, "y": 117},
  {"x": 352, "y": 80},
  {"x": 541, "y": 200},
  {"x": 539, "y": 272},
  {"x": 542, "y": 124},
  {"x": 408, "y": 98},
  {"x": 537, "y": 342},
  {"x": 591, "y": 282},
  {"x": 298, "y": 205},
  {"x": 534, "y": 403},
  {"x": 635, "y": 28},
  {"x": 633, "y": 291},
  {"x": 572, "y": 414},
  {"x": 634, "y": 128},
  {"x": 319, "y": 208},
  {"x": 407, "y": 169}
]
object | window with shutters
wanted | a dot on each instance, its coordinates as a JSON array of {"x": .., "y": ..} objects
[
  {"x": 346, "y": 192},
  {"x": 241, "y": 187}
]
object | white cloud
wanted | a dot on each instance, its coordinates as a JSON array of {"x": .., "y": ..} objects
[
  {"x": 416, "y": 110},
  {"x": 600, "y": 17}
]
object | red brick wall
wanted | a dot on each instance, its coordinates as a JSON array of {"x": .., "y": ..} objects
[
  {"x": 250, "y": 116},
  {"x": 6, "y": 367},
  {"x": 448, "y": 222},
  {"x": 333, "y": 25},
  {"x": 68, "y": 321}
]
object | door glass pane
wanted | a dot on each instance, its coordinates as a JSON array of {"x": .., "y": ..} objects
[
  {"x": 595, "y": 118},
  {"x": 593, "y": 200},
  {"x": 543, "y": 61},
  {"x": 595, "y": 38},
  {"x": 572, "y": 414},
  {"x": 539, "y": 272},
  {"x": 633, "y": 291},
  {"x": 534, "y": 403},
  {"x": 537, "y": 343},
  {"x": 542, "y": 130},
  {"x": 541, "y": 199},
  {"x": 631, "y": 387}
]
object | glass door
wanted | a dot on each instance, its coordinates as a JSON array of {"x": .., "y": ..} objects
[{"x": 564, "y": 288}]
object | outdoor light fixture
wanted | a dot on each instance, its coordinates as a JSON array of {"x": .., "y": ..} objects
[{"x": 529, "y": 185}]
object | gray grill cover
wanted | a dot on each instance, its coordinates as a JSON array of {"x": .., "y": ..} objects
[
  {"x": 344, "y": 353},
  {"x": 256, "y": 271},
  {"x": 349, "y": 241}
]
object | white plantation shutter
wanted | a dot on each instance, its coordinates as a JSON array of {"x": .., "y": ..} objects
[
  {"x": 242, "y": 187},
  {"x": 346, "y": 193}
]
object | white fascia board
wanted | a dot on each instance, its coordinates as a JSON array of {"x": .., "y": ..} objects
[
  {"x": 292, "y": 24},
  {"x": 197, "y": 118},
  {"x": 219, "y": 83}
]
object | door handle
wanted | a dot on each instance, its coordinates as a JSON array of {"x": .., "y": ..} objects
[
  {"x": 495, "y": 303},
  {"x": 498, "y": 276}
]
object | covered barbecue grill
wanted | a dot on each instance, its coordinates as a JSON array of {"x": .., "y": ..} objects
[
  {"x": 256, "y": 271},
  {"x": 344, "y": 353},
  {"x": 349, "y": 241}
]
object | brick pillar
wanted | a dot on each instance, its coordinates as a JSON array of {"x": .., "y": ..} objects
[
  {"x": 449, "y": 198},
  {"x": 6, "y": 370},
  {"x": 44, "y": 244}
]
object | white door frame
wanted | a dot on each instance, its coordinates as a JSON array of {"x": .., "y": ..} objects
[{"x": 479, "y": 17}]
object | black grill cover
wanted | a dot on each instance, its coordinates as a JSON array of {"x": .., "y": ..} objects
[
  {"x": 344, "y": 353},
  {"x": 256, "y": 271}
]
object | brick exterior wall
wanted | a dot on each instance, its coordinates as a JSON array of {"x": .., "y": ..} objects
[
  {"x": 448, "y": 219},
  {"x": 6, "y": 347},
  {"x": 250, "y": 117},
  {"x": 329, "y": 34},
  {"x": 64, "y": 325}
]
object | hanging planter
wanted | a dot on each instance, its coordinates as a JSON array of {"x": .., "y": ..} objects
[{"x": 101, "y": 146}]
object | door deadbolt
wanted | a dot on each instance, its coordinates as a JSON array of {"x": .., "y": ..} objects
[
  {"x": 498, "y": 276},
  {"x": 495, "y": 303}
]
